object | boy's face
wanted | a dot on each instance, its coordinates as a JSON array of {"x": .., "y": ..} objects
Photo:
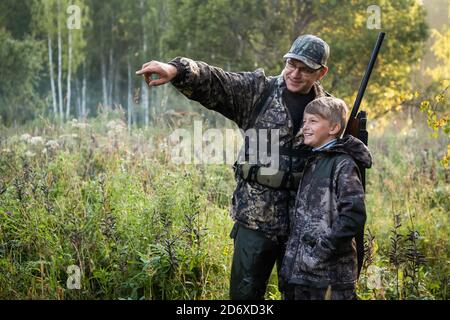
[{"x": 317, "y": 130}]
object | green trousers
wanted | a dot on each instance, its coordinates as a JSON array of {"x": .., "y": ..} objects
[{"x": 253, "y": 260}]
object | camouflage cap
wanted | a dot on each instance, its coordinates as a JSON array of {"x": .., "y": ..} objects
[{"x": 310, "y": 50}]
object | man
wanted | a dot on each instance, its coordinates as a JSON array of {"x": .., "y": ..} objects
[{"x": 260, "y": 205}]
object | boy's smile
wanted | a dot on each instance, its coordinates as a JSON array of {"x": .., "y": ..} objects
[{"x": 317, "y": 131}]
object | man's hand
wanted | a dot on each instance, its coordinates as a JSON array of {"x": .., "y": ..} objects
[{"x": 165, "y": 72}]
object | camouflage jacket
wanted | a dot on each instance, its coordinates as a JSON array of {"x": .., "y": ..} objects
[
  {"x": 329, "y": 212},
  {"x": 235, "y": 96}
]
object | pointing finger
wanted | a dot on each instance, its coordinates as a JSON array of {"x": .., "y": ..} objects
[{"x": 145, "y": 66}]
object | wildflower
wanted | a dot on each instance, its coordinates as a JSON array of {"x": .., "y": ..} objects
[
  {"x": 374, "y": 277},
  {"x": 68, "y": 137},
  {"x": 52, "y": 144},
  {"x": 163, "y": 145},
  {"x": 36, "y": 140},
  {"x": 25, "y": 137},
  {"x": 111, "y": 124},
  {"x": 115, "y": 126},
  {"x": 80, "y": 125},
  {"x": 30, "y": 154}
]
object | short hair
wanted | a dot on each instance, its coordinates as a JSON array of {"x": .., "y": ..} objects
[{"x": 329, "y": 108}]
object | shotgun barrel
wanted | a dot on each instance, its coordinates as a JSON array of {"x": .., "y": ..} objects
[
  {"x": 352, "y": 125},
  {"x": 356, "y": 126}
]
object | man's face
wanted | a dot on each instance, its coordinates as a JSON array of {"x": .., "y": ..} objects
[
  {"x": 299, "y": 77},
  {"x": 317, "y": 131}
]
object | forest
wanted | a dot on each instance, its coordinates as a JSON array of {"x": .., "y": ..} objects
[{"x": 88, "y": 188}]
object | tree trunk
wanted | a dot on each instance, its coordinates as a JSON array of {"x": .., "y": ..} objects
[
  {"x": 104, "y": 86},
  {"x": 83, "y": 93},
  {"x": 52, "y": 77},
  {"x": 116, "y": 81},
  {"x": 110, "y": 77},
  {"x": 302, "y": 20},
  {"x": 145, "y": 102},
  {"x": 69, "y": 75},
  {"x": 79, "y": 113},
  {"x": 144, "y": 87},
  {"x": 130, "y": 95},
  {"x": 61, "y": 112}
]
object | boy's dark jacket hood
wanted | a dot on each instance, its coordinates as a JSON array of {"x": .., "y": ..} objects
[{"x": 353, "y": 147}]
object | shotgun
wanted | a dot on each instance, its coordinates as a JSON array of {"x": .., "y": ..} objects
[
  {"x": 353, "y": 123},
  {"x": 356, "y": 126}
]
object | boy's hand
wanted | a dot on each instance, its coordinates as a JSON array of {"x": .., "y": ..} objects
[{"x": 165, "y": 72}]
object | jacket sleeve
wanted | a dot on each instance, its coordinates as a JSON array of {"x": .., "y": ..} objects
[
  {"x": 234, "y": 95},
  {"x": 351, "y": 209}
]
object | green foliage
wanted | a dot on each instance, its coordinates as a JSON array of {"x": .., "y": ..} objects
[
  {"x": 352, "y": 43},
  {"x": 139, "y": 227},
  {"x": 232, "y": 35},
  {"x": 21, "y": 62},
  {"x": 236, "y": 35},
  {"x": 408, "y": 201},
  {"x": 108, "y": 200},
  {"x": 441, "y": 51},
  {"x": 436, "y": 111},
  {"x": 16, "y": 17}
]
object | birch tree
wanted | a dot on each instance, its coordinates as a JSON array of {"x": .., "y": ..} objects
[
  {"x": 77, "y": 18},
  {"x": 144, "y": 89},
  {"x": 43, "y": 24},
  {"x": 46, "y": 8},
  {"x": 69, "y": 74},
  {"x": 56, "y": 20},
  {"x": 60, "y": 97}
]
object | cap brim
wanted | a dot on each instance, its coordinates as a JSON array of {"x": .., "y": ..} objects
[{"x": 305, "y": 60}]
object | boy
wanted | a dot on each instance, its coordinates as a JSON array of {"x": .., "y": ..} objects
[{"x": 320, "y": 260}]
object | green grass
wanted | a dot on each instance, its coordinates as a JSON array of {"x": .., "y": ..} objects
[
  {"x": 408, "y": 184},
  {"x": 140, "y": 227}
]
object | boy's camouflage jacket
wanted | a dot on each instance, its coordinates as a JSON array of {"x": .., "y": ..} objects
[
  {"x": 329, "y": 212},
  {"x": 235, "y": 95}
]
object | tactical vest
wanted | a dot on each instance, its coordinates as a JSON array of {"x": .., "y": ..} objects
[{"x": 253, "y": 172}]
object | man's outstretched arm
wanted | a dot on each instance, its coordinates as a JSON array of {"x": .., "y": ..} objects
[{"x": 234, "y": 95}]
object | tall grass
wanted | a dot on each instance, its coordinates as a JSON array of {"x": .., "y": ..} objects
[
  {"x": 140, "y": 227},
  {"x": 408, "y": 202}
]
